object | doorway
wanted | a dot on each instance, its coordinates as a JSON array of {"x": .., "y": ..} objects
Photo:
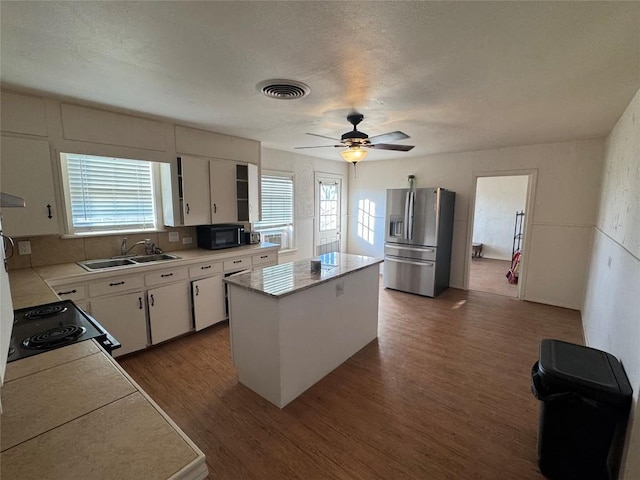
[
  {"x": 496, "y": 248},
  {"x": 328, "y": 213}
]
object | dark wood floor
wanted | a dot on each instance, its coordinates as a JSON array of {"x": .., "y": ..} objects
[
  {"x": 489, "y": 276},
  {"x": 442, "y": 394}
]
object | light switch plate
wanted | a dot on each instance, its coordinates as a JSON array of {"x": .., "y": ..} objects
[
  {"x": 24, "y": 248},
  {"x": 174, "y": 236}
]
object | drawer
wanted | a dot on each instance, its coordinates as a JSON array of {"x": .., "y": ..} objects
[
  {"x": 237, "y": 264},
  {"x": 115, "y": 285},
  {"x": 165, "y": 276},
  {"x": 203, "y": 269},
  {"x": 264, "y": 259},
  {"x": 71, "y": 292}
]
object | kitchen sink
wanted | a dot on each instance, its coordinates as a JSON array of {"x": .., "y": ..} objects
[
  {"x": 93, "y": 265},
  {"x": 158, "y": 257},
  {"x": 108, "y": 263}
]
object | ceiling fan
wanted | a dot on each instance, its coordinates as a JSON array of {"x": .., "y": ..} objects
[{"x": 357, "y": 142}]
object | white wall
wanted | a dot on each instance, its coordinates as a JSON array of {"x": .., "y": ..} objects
[
  {"x": 611, "y": 310},
  {"x": 562, "y": 216},
  {"x": 497, "y": 201},
  {"x": 304, "y": 168}
]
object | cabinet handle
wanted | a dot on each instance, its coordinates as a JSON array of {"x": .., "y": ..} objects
[
  {"x": 49, "y": 209},
  {"x": 166, "y": 275},
  {"x": 68, "y": 293},
  {"x": 153, "y": 301},
  {"x": 205, "y": 268},
  {"x": 237, "y": 261},
  {"x": 215, "y": 208},
  {"x": 188, "y": 209},
  {"x": 140, "y": 303},
  {"x": 264, "y": 256},
  {"x": 116, "y": 284},
  {"x": 197, "y": 290}
]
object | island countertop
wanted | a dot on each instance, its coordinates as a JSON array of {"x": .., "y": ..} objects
[{"x": 287, "y": 278}]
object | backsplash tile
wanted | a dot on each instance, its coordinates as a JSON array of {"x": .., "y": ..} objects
[{"x": 51, "y": 250}]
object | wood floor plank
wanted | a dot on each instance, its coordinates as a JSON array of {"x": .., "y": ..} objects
[{"x": 443, "y": 393}]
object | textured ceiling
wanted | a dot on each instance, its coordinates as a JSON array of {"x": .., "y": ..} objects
[{"x": 455, "y": 76}]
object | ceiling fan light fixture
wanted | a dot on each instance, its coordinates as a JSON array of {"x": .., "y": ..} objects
[{"x": 354, "y": 154}]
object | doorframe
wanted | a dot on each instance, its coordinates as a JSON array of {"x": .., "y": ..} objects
[
  {"x": 341, "y": 215},
  {"x": 532, "y": 174}
]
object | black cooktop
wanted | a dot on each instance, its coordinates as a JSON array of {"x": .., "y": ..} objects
[{"x": 53, "y": 325}]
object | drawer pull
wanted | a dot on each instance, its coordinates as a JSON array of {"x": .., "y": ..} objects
[
  {"x": 164, "y": 275},
  {"x": 237, "y": 261},
  {"x": 264, "y": 256},
  {"x": 204, "y": 268},
  {"x": 115, "y": 284},
  {"x": 68, "y": 293}
]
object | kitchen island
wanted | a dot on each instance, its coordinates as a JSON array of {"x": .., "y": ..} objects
[{"x": 290, "y": 326}]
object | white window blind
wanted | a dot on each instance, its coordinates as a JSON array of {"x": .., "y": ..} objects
[
  {"x": 277, "y": 200},
  {"x": 107, "y": 194},
  {"x": 277, "y": 209}
]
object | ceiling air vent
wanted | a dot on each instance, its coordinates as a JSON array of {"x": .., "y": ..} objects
[{"x": 283, "y": 89}]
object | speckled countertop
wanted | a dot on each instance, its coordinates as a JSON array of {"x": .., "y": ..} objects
[{"x": 287, "y": 278}]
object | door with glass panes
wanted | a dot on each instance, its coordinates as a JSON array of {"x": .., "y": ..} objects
[{"x": 328, "y": 224}]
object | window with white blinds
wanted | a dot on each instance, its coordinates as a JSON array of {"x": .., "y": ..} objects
[
  {"x": 276, "y": 225},
  {"x": 107, "y": 194}
]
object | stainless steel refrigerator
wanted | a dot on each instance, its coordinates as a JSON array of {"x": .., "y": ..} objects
[{"x": 419, "y": 234}]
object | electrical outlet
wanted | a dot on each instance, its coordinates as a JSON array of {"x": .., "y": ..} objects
[
  {"x": 24, "y": 248},
  {"x": 187, "y": 240},
  {"x": 339, "y": 289},
  {"x": 174, "y": 236}
]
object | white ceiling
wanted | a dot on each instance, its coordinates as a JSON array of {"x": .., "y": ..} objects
[{"x": 455, "y": 76}]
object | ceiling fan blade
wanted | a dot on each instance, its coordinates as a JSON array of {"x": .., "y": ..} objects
[
  {"x": 391, "y": 146},
  {"x": 388, "y": 137},
  {"x": 324, "y": 136},
  {"x": 320, "y": 146}
]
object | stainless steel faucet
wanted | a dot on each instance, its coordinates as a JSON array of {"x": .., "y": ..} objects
[{"x": 149, "y": 246}]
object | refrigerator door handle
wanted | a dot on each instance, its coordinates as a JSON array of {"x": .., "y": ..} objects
[
  {"x": 410, "y": 262},
  {"x": 412, "y": 196},
  {"x": 405, "y": 234}
]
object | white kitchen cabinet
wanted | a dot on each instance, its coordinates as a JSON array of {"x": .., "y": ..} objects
[
  {"x": 195, "y": 202},
  {"x": 248, "y": 206},
  {"x": 124, "y": 317},
  {"x": 27, "y": 173},
  {"x": 208, "y": 301},
  {"x": 168, "y": 311},
  {"x": 222, "y": 176}
]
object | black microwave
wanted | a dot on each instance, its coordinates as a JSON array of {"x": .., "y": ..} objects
[{"x": 224, "y": 235}]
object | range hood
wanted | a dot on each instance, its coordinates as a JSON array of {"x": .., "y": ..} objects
[{"x": 8, "y": 200}]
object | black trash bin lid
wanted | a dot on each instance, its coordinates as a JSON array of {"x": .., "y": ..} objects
[{"x": 567, "y": 367}]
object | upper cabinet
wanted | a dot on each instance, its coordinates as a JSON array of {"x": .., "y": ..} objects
[
  {"x": 210, "y": 191},
  {"x": 247, "y": 193},
  {"x": 222, "y": 174},
  {"x": 27, "y": 173}
]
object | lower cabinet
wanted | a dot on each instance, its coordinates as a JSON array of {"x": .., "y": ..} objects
[
  {"x": 208, "y": 301},
  {"x": 169, "y": 313},
  {"x": 125, "y": 318}
]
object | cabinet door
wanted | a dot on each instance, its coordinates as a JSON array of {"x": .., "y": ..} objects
[
  {"x": 168, "y": 311},
  {"x": 27, "y": 173},
  {"x": 208, "y": 301},
  {"x": 125, "y": 318},
  {"x": 196, "y": 207},
  {"x": 254, "y": 197},
  {"x": 223, "y": 191}
]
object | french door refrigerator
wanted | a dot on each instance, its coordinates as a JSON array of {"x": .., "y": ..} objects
[{"x": 418, "y": 239}]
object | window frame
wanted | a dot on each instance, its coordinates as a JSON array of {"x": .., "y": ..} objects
[
  {"x": 289, "y": 228},
  {"x": 73, "y": 231}
]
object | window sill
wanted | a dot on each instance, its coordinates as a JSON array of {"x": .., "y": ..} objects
[{"x": 110, "y": 233}]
